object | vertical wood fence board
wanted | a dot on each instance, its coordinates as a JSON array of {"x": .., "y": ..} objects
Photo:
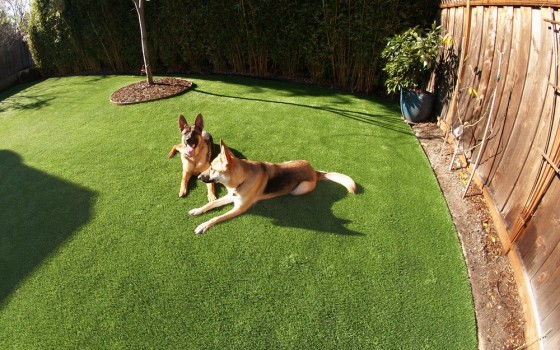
[
  {"x": 445, "y": 80},
  {"x": 502, "y": 180},
  {"x": 473, "y": 69},
  {"x": 535, "y": 164},
  {"x": 459, "y": 30},
  {"x": 470, "y": 78},
  {"x": 445, "y": 76},
  {"x": 550, "y": 326},
  {"x": 509, "y": 100},
  {"x": 521, "y": 39},
  {"x": 546, "y": 284},
  {"x": 501, "y": 128},
  {"x": 503, "y": 46},
  {"x": 462, "y": 95},
  {"x": 541, "y": 236},
  {"x": 473, "y": 111},
  {"x": 487, "y": 84},
  {"x": 458, "y": 22},
  {"x": 527, "y": 161}
]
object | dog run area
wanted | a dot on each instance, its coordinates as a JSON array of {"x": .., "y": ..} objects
[{"x": 97, "y": 248}]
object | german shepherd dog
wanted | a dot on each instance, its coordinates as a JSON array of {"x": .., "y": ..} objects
[
  {"x": 248, "y": 182},
  {"x": 196, "y": 153}
]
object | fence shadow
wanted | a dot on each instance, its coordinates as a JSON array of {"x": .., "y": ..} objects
[{"x": 38, "y": 213}]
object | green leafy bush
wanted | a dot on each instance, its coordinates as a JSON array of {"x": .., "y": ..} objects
[
  {"x": 411, "y": 57},
  {"x": 332, "y": 42}
]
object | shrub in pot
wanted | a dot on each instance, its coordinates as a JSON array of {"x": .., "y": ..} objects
[{"x": 411, "y": 57}]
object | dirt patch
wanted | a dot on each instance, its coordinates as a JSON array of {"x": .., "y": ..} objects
[
  {"x": 499, "y": 313},
  {"x": 143, "y": 92}
]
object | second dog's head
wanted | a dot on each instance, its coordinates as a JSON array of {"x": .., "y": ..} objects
[
  {"x": 191, "y": 135},
  {"x": 220, "y": 170}
]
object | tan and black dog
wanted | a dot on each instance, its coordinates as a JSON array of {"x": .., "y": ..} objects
[
  {"x": 248, "y": 182},
  {"x": 196, "y": 153}
]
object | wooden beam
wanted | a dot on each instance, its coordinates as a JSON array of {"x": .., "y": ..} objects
[
  {"x": 532, "y": 3},
  {"x": 551, "y": 21},
  {"x": 549, "y": 161}
]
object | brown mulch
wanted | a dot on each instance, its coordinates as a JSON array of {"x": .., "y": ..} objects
[
  {"x": 499, "y": 313},
  {"x": 143, "y": 92}
]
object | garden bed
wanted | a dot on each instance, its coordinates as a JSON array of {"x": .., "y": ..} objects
[{"x": 499, "y": 313}]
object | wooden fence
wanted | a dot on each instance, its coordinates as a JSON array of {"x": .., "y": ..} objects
[
  {"x": 14, "y": 58},
  {"x": 499, "y": 103}
]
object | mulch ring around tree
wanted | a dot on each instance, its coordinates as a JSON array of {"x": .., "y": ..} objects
[{"x": 143, "y": 92}]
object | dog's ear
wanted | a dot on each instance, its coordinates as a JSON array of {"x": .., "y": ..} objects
[
  {"x": 199, "y": 123},
  {"x": 225, "y": 153},
  {"x": 182, "y": 122}
]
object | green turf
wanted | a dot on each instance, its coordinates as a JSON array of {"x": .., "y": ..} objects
[{"x": 97, "y": 251}]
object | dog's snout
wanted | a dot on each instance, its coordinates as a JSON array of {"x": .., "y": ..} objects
[{"x": 204, "y": 178}]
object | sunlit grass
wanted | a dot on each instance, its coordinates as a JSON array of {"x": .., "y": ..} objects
[{"x": 97, "y": 251}]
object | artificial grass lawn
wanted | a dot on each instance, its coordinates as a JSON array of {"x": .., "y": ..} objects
[{"x": 97, "y": 251}]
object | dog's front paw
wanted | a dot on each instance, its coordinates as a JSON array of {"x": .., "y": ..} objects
[
  {"x": 211, "y": 197},
  {"x": 202, "y": 228},
  {"x": 183, "y": 192},
  {"x": 172, "y": 153},
  {"x": 195, "y": 212}
]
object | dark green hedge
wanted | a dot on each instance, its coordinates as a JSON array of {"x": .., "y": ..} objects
[{"x": 329, "y": 42}]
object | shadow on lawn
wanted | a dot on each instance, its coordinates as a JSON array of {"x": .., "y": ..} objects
[
  {"x": 38, "y": 213},
  {"x": 26, "y": 100},
  {"x": 311, "y": 211},
  {"x": 373, "y": 119}
]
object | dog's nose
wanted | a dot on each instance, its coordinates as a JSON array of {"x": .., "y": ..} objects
[{"x": 204, "y": 178}]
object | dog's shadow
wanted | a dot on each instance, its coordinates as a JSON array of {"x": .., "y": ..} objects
[{"x": 312, "y": 211}]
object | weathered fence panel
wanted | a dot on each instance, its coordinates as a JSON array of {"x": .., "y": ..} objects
[
  {"x": 14, "y": 58},
  {"x": 509, "y": 52}
]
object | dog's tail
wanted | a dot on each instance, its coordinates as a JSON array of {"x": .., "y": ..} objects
[{"x": 339, "y": 178}]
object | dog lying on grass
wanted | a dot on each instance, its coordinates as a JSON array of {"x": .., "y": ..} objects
[{"x": 248, "y": 182}]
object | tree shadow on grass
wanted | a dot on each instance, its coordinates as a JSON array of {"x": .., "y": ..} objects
[
  {"x": 379, "y": 120},
  {"x": 26, "y": 100},
  {"x": 38, "y": 213},
  {"x": 311, "y": 211}
]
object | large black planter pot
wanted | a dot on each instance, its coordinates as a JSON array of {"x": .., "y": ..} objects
[{"x": 416, "y": 106}]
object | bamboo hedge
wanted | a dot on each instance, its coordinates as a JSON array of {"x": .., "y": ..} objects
[{"x": 330, "y": 42}]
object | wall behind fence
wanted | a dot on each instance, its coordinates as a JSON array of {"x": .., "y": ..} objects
[{"x": 509, "y": 57}]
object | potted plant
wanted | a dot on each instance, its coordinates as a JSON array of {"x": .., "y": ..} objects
[{"x": 411, "y": 58}]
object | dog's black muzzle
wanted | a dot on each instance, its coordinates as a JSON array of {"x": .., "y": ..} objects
[{"x": 205, "y": 178}]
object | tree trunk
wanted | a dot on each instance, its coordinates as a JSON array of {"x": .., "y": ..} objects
[{"x": 139, "y": 5}]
